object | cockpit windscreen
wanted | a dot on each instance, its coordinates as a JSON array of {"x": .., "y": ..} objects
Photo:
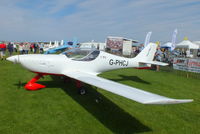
[{"x": 80, "y": 54}]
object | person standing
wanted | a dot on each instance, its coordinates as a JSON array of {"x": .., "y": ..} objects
[
  {"x": 26, "y": 48},
  {"x": 15, "y": 47},
  {"x": 35, "y": 45},
  {"x": 21, "y": 48},
  {"x": 158, "y": 56},
  {"x": 10, "y": 48},
  {"x": 3, "y": 50},
  {"x": 41, "y": 46}
]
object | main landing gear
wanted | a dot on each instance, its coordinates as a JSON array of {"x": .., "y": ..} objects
[
  {"x": 31, "y": 85},
  {"x": 80, "y": 87}
]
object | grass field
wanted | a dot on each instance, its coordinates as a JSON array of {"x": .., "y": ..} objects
[{"x": 58, "y": 109}]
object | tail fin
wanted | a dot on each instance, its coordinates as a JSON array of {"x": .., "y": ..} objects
[{"x": 147, "y": 54}]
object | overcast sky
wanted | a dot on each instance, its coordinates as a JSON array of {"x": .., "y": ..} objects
[{"x": 45, "y": 20}]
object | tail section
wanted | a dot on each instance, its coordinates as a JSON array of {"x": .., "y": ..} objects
[{"x": 146, "y": 56}]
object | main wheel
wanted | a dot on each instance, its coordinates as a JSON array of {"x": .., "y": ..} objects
[{"x": 81, "y": 91}]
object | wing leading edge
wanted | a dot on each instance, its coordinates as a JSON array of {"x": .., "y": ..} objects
[{"x": 132, "y": 93}]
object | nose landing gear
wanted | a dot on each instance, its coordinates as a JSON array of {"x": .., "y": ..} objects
[{"x": 31, "y": 85}]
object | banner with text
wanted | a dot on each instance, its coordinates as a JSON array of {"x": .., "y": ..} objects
[{"x": 190, "y": 65}]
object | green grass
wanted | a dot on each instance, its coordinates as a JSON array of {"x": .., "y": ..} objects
[{"x": 58, "y": 109}]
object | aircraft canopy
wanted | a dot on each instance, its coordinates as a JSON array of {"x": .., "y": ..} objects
[{"x": 81, "y": 54}]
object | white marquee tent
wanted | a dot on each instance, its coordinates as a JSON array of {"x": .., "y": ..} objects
[
  {"x": 197, "y": 43},
  {"x": 187, "y": 44}
]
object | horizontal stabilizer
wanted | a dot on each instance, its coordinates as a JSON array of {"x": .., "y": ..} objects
[
  {"x": 132, "y": 93},
  {"x": 154, "y": 63}
]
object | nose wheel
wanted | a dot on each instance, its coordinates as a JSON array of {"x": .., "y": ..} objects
[{"x": 32, "y": 85}]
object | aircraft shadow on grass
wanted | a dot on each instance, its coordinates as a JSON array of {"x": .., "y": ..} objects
[
  {"x": 108, "y": 113},
  {"x": 131, "y": 78}
]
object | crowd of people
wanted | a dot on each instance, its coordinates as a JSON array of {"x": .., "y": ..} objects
[{"x": 20, "y": 48}]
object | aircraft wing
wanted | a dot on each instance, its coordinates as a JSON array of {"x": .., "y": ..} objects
[{"x": 132, "y": 93}]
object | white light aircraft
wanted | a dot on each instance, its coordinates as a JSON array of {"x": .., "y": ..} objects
[{"x": 84, "y": 66}]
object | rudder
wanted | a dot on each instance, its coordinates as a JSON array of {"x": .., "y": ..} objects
[{"x": 148, "y": 53}]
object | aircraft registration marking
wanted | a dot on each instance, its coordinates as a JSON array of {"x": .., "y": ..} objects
[{"x": 118, "y": 62}]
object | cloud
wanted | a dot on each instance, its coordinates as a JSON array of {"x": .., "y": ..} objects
[{"x": 94, "y": 19}]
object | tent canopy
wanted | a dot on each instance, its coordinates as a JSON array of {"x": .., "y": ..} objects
[
  {"x": 187, "y": 44},
  {"x": 196, "y": 42}
]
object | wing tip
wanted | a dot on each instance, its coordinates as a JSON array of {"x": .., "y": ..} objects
[{"x": 169, "y": 101}]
